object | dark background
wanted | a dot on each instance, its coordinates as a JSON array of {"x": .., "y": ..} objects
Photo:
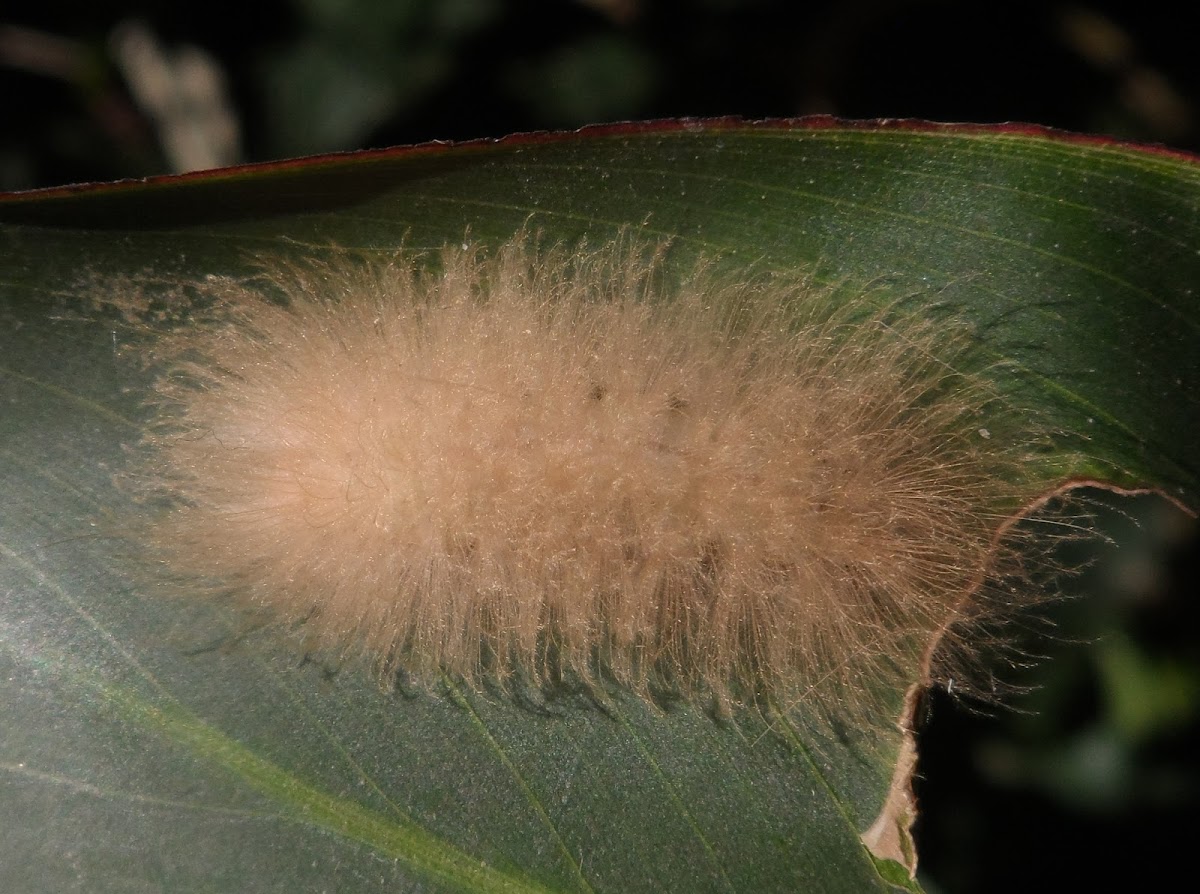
[
  {"x": 1090, "y": 780},
  {"x": 307, "y": 76}
]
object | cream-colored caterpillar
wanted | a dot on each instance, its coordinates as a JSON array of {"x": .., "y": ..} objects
[{"x": 563, "y": 464}]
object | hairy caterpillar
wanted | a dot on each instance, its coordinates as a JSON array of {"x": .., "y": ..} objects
[{"x": 562, "y": 463}]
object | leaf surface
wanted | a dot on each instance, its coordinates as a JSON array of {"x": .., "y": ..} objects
[{"x": 148, "y": 742}]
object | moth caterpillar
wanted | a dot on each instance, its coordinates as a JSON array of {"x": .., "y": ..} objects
[{"x": 561, "y": 462}]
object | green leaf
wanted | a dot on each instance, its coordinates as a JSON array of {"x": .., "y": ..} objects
[{"x": 149, "y": 742}]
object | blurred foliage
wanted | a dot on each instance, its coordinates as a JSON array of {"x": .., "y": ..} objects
[
  {"x": 1101, "y": 754},
  {"x": 350, "y": 67},
  {"x": 322, "y": 75}
]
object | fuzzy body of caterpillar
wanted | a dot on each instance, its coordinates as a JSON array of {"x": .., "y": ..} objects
[{"x": 551, "y": 463}]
